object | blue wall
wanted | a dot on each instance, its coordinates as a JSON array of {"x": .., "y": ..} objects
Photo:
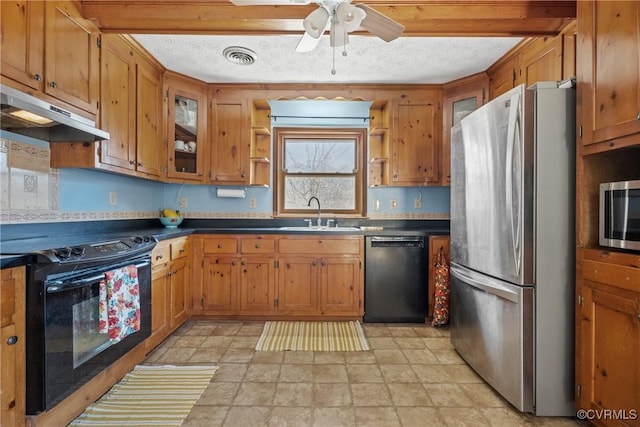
[{"x": 83, "y": 190}]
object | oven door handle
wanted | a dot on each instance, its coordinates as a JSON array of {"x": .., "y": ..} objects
[{"x": 60, "y": 286}]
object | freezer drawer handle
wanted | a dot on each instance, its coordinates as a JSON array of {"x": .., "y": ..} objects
[{"x": 496, "y": 289}]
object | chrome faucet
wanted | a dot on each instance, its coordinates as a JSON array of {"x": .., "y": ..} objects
[{"x": 309, "y": 204}]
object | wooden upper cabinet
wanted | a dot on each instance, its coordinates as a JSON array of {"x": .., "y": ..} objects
[
  {"x": 541, "y": 60},
  {"x": 460, "y": 98},
  {"x": 49, "y": 47},
  {"x": 230, "y": 142},
  {"x": 71, "y": 57},
  {"x": 23, "y": 42},
  {"x": 149, "y": 123},
  {"x": 609, "y": 71},
  {"x": 118, "y": 83},
  {"x": 131, "y": 96},
  {"x": 415, "y": 142},
  {"x": 187, "y": 128},
  {"x": 504, "y": 75}
]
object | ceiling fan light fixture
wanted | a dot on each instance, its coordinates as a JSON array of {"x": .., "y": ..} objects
[
  {"x": 349, "y": 16},
  {"x": 316, "y": 22}
]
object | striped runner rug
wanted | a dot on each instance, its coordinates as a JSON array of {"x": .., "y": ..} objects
[
  {"x": 312, "y": 336},
  {"x": 149, "y": 396}
]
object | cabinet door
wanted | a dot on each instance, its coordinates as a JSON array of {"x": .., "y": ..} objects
[
  {"x": 230, "y": 142},
  {"x": 298, "y": 285},
  {"x": 340, "y": 286},
  {"x": 610, "y": 350},
  {"x": 149, "y": 146},
  {"x": 504, "y": 77},
  {"x": 179, "y": 278},
  {"x": 117, "y": 115},
  {"x": 71, "y": 57},
  {"x": 220, "y": 284},
  {"x": 257, "y": 284},
  {"x": 609, "y": 71},
  {"x": 23, "y": 41},
  {"x": 460, "y": 99},
  {"x": 542, "y": 60},
  {"x": 415, "y": 143},
  {"x": 12, "y": 347},
  {"x": 186, "y": 132},
  {"x": 160, "y": 300}
]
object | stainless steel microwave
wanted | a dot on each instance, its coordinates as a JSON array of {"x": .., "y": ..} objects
[{"x": 620, "y": 215}]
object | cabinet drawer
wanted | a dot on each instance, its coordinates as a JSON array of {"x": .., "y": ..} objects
[
  {"x": 220, "y": 246},
  {"x": 319, "y": 246},
  {"x": 180, "y": 248},
  {"x": 161, "y": 253},
  {"x": 257, "y": 246},
  {"x": 612, "y": 274}
]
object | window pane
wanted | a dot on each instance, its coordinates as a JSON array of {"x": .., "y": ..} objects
[
  {"x": 320, "y": 156},
  {"x": 334, "y": 192}
]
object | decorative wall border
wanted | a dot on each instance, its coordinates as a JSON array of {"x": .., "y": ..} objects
[{"x": 13, "y": 216}]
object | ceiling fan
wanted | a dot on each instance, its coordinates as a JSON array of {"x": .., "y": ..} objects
[{"x": 340, "y": 17}]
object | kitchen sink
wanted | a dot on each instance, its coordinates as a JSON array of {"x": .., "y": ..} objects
[{"x": 319, "y": 229}]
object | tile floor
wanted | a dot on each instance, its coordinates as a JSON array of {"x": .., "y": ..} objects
[{"x": 411, "y": 377}]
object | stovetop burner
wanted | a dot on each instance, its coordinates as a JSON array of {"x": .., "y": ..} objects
[{"x": 90, "y": 252}]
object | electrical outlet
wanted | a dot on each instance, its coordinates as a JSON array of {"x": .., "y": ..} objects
[
  {"x": 417, "y": 203},
  {"x": 393, "y": 204},
  {"x": 376, "y": 205},
  {"x": 184, "y": 202},
  {"x": 252, "y": 203},
  {"x": 113, "y": 198}
]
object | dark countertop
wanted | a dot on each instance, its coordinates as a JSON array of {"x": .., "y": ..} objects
[{"x": 19, "y": 242}]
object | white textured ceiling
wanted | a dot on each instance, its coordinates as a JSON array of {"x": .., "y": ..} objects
[{"x": 369, "y": 59}]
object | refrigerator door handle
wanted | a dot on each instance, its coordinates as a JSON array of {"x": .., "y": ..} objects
[
  {"x": 513, "y": 129},
  {"x": 488, "y": 284}
]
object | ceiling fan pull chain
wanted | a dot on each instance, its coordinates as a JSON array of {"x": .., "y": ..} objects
[{"x": 333, "y": 69}]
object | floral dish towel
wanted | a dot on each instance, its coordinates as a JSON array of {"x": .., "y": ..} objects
[{"x": 120, "y": 303}]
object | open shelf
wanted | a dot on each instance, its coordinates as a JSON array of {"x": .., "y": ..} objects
[{"x": 260, "y": 146}]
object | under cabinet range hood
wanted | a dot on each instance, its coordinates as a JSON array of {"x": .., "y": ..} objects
[{"x": 27, "y": 115}]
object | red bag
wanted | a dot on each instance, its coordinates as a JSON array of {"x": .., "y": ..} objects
[{"x": 442, "y": 289}]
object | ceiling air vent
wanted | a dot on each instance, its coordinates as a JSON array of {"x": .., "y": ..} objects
[{"x": 239, "y": 55}]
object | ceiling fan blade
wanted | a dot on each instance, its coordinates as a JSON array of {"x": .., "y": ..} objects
[
  {"x": 307, "y": 43},
  {"x": 268, "y": 2},
  {"x": 379, "y": 24}
]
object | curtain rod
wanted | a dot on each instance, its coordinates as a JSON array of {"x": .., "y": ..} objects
[{"x": 276, "y": 117}]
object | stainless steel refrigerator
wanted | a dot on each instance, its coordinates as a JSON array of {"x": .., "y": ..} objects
[{"x": 513, "y": 246}]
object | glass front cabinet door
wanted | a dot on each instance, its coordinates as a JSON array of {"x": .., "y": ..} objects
[{"x": 187, "y": 131}]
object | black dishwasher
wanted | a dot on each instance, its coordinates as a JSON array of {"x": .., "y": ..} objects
[{"x": 396, "y": 274}]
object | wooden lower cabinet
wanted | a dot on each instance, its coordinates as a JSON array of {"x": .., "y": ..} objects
[
  {"x": 12, "y": 347},
  {"x": 608, "y": 373},
  {"x": 280, "y": 275},
  {"x": 257, "y": 284},
  {"x": 170, "y": 293}
]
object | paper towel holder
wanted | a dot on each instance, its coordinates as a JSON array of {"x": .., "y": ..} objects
[{"x": 238, "y": 193}]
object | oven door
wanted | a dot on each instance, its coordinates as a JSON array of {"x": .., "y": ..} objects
[{"x": 73, "y": 348}]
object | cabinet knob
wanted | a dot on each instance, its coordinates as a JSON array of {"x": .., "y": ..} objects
[
  {"x": 324, "y": 264},
  {"x": 257, "y": 245},
  {"x": 12, "y": 340},
  {"x": 638, "y": 116},
  {"x": 233, "y": 263},
  {"x": 243, "y": 262},
  {"x": 219, "y": 245},
  {"x": 140, "y": 164},
  {"x": 314, "y": 263},
  {"x": 170, "y": 273},
  {"x": 242, "y": 175},
  {"x": 181, "y": 250},
  {"x": 131, "y": 162},
  {"x": 53, "y": 84},
  {"x": 37, "y": 77}
]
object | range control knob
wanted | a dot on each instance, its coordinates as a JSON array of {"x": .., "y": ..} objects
[
  {"x": 62, "y": 253},
  {"x": 77, "y": 251},
  {"x": 137, "y": 239},
  {"x": 146, "y": 239}
]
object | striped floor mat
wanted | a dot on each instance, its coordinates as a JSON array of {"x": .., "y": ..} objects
[
  {"x": 149, "y": 396},
  {"x": 312, "y": 336}
]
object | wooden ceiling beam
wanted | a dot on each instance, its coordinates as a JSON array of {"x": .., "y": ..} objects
[{"x": 421, "y": 18}]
